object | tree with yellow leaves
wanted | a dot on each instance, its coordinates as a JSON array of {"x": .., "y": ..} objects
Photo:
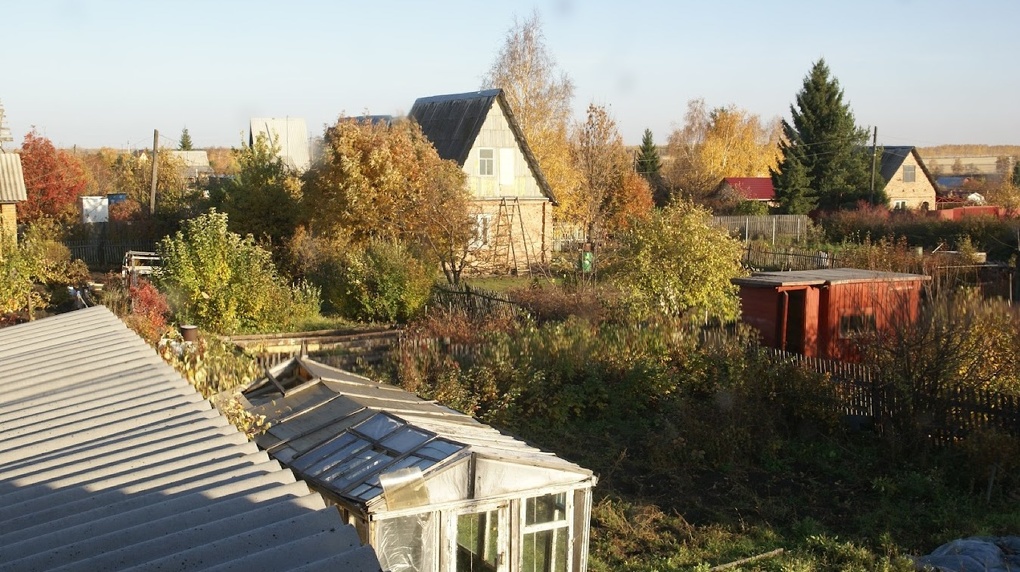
[
  {"x": 539, "y": 97},
  {"x": 610, "y": 191},
  {"x": 718, "y": 143},
  {"x": 380, "y": 181}
]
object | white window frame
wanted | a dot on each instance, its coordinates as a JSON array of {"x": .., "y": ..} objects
[
  {"x": 567, "y": 526},
  {"x": 913, "y": 173},
  {"x": 448, "y": 535},
  {"x": 487, "y": 165},
  {"x": 900, "y": 205}
]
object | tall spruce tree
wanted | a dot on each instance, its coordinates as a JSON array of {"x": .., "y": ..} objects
[
  {"x": 826, "y": 161},
  {"x": 649, "y": 165}
]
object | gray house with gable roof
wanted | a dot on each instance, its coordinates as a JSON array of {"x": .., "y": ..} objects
[{"x": 512, "y": 200}]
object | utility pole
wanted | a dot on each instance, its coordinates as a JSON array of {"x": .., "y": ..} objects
[
  {"x": 155, "y": 164},
  {"x": 874, "y": 163}
]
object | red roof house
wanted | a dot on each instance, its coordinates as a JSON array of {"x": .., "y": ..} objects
[
  {"x": 819, "y": 312},
  {"x": 746, "y": 189}
]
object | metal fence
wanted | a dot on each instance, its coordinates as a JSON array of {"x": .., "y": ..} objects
[{"x": 771, "y": 228}]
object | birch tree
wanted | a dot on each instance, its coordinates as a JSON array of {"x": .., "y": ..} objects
[
  {"x": 717, "y": 143},
  {"x": 539, "y": 96}
]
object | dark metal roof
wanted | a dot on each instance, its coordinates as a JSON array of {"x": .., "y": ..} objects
[
  {"x": 110, "y": 460},
  {"x": 827, "y": 277},
  {"x": 452, "y": 122}
]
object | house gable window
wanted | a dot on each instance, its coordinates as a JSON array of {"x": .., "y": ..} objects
[
  {"x": 909, "y": 173},
  {"x": 486, "y": 162}
]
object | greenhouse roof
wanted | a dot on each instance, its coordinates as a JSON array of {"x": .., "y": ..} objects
[{"x": 345, "y": 433}]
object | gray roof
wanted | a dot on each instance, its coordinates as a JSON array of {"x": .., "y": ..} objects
[
  {"x": 12, "y": 178},
  {"x": 342, "y": 431},
  {"x": 452, "y": 122},
  {"x": 893, "y": 158},
  {"x": 196, "y": 163},
  {"x": 110, "y": 460},
  {"x": 828, "y": 276}
]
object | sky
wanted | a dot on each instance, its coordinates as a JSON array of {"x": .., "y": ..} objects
[{"x": 105, "y": 73}]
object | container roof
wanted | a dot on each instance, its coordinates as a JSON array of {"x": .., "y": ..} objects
[
  {"x": 343, "y": 431},
  {"x": 827, "y": 276},
  {"x": 110, "y": 460}
]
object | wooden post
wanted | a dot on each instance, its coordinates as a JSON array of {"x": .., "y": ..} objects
[
  {"x": 155, "y": 173},
  {"x": 874, "y": 161}
]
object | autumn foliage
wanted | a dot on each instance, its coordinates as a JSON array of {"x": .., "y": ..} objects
[{"x": 53, "y": 179}]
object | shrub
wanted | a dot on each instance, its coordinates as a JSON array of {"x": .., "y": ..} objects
[
  {"x": 149, "y": 309},
  {"x": 383, "y": 282},
  {"x": 227, "y": 284}
]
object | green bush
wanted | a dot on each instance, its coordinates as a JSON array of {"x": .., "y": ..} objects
[
  {"x": 227, "y": 284},
  {"x": 382, "y": 282}
]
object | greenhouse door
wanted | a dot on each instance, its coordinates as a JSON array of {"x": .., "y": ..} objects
[{"x": 479, "y": 540}]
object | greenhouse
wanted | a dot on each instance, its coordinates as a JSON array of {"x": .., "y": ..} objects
[{"x": 430, "y": 488}]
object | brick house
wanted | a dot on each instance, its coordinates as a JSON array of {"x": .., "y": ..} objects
[{"x": 909, "y": 185}]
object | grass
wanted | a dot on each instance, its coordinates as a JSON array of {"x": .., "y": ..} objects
[{"x": 831, "y": 504}]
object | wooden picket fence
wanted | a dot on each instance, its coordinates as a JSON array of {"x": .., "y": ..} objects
[
  {"x": 475, "y": 302},
  {"x": 865, "y": 400},
  {"x": 98, "y": 254},
  {"x": 946, "y": 415}
]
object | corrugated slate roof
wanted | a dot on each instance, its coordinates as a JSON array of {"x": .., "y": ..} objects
[
  {"x": 342, "y": 431},
  {"x": 12, "y": 178},
  {"x": 109, "y": 460},
  {"x": 452, "y": 123},
  {"x": 824, "y": 276},
  {"x": 752, "y": 188}
]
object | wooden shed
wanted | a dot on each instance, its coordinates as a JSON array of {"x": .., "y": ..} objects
[
  {"x": 819, "y": 312},
  {"x": 430, "y": 488}
]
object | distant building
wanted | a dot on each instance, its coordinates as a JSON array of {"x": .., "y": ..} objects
[
  {"x": 196, "y": 164},
  {"x": 12, "y": 191},
  {"x": 479, "y": 131},
  {"x": 289, "y": 134},
  {"x": 908, "y": 183},
  {"x": 758, "y": 189}
]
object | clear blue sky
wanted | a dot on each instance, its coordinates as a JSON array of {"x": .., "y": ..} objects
[{"x": 106, "y": 73}]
